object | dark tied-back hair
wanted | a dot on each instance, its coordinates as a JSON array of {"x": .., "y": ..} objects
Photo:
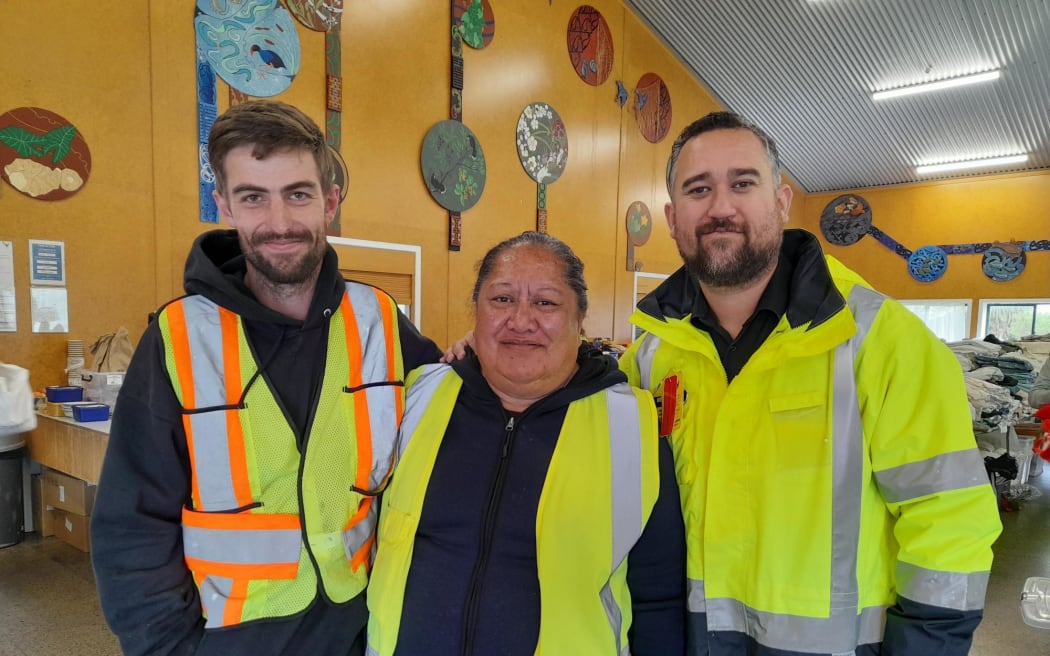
[
  {"x": 721, "y": 121},
  {"x": 573, "y": 269},
  {"x": 267, "y": 126}
]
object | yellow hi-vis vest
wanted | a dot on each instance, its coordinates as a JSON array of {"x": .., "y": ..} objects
[
  {"x": 809, "y": 506},
  {"x": 255, "y": 497},
  {"x": 600, "y": 489}
]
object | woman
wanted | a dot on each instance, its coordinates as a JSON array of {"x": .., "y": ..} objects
[{"x": 534, "y": 509}]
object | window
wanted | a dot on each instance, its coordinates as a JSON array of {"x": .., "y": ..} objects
[
  {"x": 643, "y": 284},
  {"x": 394, "y": 268},
  {"x": 949, "y": 318},
  {"x": 1012, "y": 319}
]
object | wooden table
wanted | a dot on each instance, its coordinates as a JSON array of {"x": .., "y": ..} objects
[{"x": 72, "y": 447}]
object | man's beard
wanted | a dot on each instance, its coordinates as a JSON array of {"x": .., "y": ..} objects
[
  {"x": 731, "y": 267},
  {"x": 284, "y": 270}
]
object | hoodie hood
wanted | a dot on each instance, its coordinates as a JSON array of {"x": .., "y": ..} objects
[
  {"x": 596, "y": 372},
  {"x": 215, "y": 269}
]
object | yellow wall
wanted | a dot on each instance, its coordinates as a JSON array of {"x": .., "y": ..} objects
[
  {"x": 978, "y": 209},
  {"x": 123, "y": 73}
]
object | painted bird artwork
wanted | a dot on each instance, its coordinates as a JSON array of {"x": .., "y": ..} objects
[
  {"x": 269, "y": 57},
  {"x": 621, "y": 93}
]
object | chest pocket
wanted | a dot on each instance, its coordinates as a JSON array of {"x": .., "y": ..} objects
[{"x": 800, "y": 425}]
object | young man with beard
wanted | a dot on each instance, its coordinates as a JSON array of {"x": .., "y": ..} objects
[
  {"x": 235, "y": 512},
  {"x": 833, "y": 496}
]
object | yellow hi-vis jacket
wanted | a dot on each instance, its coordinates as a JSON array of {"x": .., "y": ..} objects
[
  {"x": 599, "y": 492},
  {"x": 825, "y": 479},
  {"x": 267, "y": 521}
]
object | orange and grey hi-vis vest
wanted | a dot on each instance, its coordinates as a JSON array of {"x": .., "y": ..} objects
[{"x": 266, "y": 520}]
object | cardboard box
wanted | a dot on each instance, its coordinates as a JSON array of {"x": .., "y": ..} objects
[
  {"x": 41, "y": 517},
  {"x": 67, "y": 493},
  {"x": 72, "y": 528}
]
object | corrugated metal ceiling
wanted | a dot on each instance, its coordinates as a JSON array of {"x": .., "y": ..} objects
[{"x": 805, "y": 70}]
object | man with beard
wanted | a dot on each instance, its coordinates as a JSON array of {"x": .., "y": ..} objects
[
  {"x": 834, "y": 499},
  {"x": 235, "y": 512}
]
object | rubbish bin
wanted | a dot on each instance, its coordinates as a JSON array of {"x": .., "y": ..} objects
[{"x": 12, "y": 514}]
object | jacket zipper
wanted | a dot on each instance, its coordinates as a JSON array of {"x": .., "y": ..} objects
[{"x": 473, "y": 604}]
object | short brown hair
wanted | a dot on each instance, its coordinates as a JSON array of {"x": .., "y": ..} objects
[{"x": 267, "y": 125}]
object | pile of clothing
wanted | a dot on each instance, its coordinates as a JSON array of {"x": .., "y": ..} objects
[{"x": 998, "y": 375}]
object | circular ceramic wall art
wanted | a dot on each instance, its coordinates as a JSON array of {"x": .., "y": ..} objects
[
  {"x": 590, "y": 45},
  {"x": 639, "y": 223},
  {"x": 652, "y": 107},
  {"x": 252, "y": 45},
  {"x": 342, "y": 173},
  {"x": 1003, "y": 262},
  {"x": 928, "y": 263},
  {"x": 317, "y": 15},
  {"x": 453, "y": 166},
  {"x": 475, "y": 21},
  {"x": 845, "y": 220},
  {"x": 42, "y": 154},
  {"x": 543, "y": 146}
]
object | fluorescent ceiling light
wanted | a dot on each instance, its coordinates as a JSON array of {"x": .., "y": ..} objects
[
  {"x": 935, "y": 86},
  {"x": 971, "y": 164}
]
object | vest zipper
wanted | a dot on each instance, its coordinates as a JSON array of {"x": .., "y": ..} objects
[{"x": 473, "y": 604}]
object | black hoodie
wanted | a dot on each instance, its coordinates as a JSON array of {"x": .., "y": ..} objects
[
  {"x": 147, "y": 594},
  {"x": 472, "y": 586}
]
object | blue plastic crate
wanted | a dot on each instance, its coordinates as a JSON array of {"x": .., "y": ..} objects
[{"x": 91, "y": 412}]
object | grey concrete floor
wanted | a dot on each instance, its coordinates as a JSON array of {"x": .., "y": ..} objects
[{"x": 48, "y": 605}]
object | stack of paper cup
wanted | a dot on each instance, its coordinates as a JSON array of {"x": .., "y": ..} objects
[{"x": 74, "y": 360}]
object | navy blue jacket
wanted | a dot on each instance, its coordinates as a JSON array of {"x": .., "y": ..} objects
[{"x": 472, "y": 587}]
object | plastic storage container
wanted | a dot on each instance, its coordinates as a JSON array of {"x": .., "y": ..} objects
[
  {"x": 62, "y": 393},
  {"x": 92, "y": 412},
  {"x": 102, "y": 386},
  {"x": 12, "y": 513}
]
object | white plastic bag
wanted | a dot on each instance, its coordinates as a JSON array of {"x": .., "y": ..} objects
[{"x": 16, "y": 401}]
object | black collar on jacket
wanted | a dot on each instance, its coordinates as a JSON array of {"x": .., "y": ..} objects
[{"x": 812, "y": 297}]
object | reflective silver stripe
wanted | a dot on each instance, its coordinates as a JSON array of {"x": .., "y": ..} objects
[
  {"x": 625, "y": 449},
  {"x": 945, "y": 472},
  {"x": 612, "y": 613},
  {"x": 946, "y": 589},
  {"x": 214, "y": 591},
  {"x": 417, "y": 400},
  {"x": 242, "y": 547},
  {"x": 211, "y": 452},
  {"x": 697, "y": 602},
  {"x": 833, "y": 635},
  {"x": 371, "y": 651},
  {"x": 355, "y": 536},
  {"x": 382, "y": 400},
  {"x": 644, "y": 359}
]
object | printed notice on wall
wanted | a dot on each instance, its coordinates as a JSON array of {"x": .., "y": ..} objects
[
  {"x": 7, "y": 288},
  {"x": 50, "y": 310},
  {"x": 47, "y": 262}
]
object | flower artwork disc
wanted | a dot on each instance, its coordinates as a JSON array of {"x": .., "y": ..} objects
[
  {"x": 42, "y": 154},
  {"x": 590, "y": 45},
  {"x": 1004, "y": 261},
  {"x": 652, "y": 107},
  {"x": 543, "y": 146},
  {"x": 928, "y": 263},
  {"x": 453, "y": 166},
  {"x": 845, "y": 220},
  {"x": 252, "y": 45}
]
